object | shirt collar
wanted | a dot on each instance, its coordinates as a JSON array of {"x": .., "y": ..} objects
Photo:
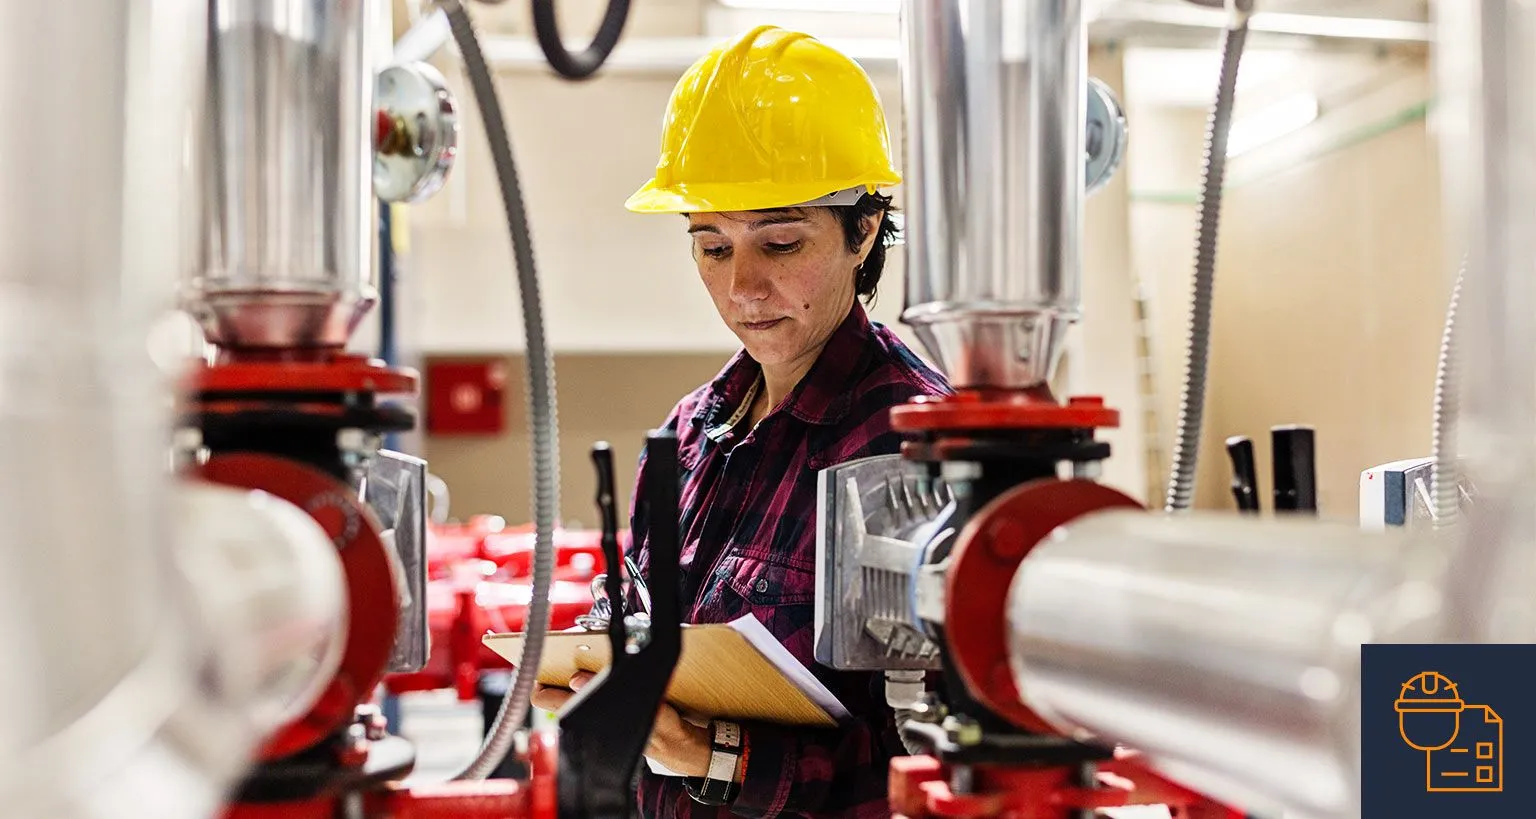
[{"x": 823, "y": 396}]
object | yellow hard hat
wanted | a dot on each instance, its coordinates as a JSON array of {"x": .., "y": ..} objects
[{"x": 772, "y": 119}]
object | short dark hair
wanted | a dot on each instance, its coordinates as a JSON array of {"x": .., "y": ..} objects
[{"x": 852, "y": 218}]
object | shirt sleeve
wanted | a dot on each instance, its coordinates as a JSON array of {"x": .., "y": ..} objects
[{"x": 842, "y": 771}]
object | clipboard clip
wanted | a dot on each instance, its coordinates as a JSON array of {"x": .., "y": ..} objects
[
  {"x": 636, "y": 626},
  {"x": 637, "y": 623}
]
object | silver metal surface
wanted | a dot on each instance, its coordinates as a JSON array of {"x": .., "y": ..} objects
[
  {"x": 271, "y": 586},
  {"x": 904, "y": 688},
  {"x": 97, "y": 631},
  {"x": 395, "y": 489},
  {"x": 280, "y": 145},
  {"x": 633, "y": 587},
  {"x": 414, "y": 153},
  {"x": 1105, "y": 136},
  {"x": 873, "y": 517},
  {"x": 1227, "y": 650},
  {"x": 1488, "y": 80},
  {"x": 995, "y": 98},
  {"x": 126, "y": 691}
]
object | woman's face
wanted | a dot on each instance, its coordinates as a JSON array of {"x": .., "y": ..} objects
[{"x": 782, "y": 280}]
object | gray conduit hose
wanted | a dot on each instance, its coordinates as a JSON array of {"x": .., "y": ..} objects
[
  {"x": 541, "y": 404},
  {"x": 1445, "y": 486},
  {"x": 1186, "y": 453},
  {"x": 904, "y": 716}
]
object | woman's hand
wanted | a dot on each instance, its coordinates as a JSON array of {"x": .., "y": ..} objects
[
  {"x": 550, "y": 697},
  {"x": 676, "y": 743}
]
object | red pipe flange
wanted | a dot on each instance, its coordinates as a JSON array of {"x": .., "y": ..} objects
[
  {"x": 372, "y": 597},
  {"x": 987, "y": 555},
  {"x": 999, "y": 410},
  {"x": 339, "y": 373}
]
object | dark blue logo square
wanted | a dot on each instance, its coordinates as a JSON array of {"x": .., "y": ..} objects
[{"x": 1446, "y": 730}]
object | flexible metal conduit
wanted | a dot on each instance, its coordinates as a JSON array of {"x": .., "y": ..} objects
[
  {"x": 1445, "y": 484},
  {"x": 1186, "y": 452},
  {"x": 542, "y": 415}
]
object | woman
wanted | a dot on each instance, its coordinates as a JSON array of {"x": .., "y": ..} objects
[{"x": 773, "y": 148}]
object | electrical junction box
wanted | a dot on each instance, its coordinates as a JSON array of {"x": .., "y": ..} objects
[{"x": 466, "y": 396}]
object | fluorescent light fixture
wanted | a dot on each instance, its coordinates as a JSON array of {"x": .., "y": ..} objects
[
  {"x": 837, "y": 6},
  {"x": 667, "y": 54},
  {"x": 1354, "y": 28},
  {"x": 1281, "y": 119},
  {"x": 1309, "y": 25}
]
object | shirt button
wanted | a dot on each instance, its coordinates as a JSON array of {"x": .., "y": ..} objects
[{"x": 762, "y": 585}]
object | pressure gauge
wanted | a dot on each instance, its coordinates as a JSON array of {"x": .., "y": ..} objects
[
  {"x": 1105, "y": 135},
  {"x": 416, "y": 132}
]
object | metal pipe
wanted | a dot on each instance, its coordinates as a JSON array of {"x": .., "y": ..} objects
[
  {"x": 130, "y": 682},
  {"x": 995, "y": 92},
  {"x": 1227, "y": 650},
  {"x": 279, "y": 601},
  {"x": 1488, "y": 78},
  {"x": 76, "y": 418},
  {"x": 283, "y": 157}
]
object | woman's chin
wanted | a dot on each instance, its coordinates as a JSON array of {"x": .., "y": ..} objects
[{"x": 765, "y": 352}]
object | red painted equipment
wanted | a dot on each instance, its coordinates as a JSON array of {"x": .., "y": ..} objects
[
  {"x": 922, "y": 787},
  {"x": 297, "y": 424},
  {"x": 479, "y": 579},
  {"x": 1011, "y": 442}
]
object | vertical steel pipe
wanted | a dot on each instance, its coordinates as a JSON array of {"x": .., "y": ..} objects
[
  {"x": 283, "y": 154},
  {"x": 995, "y": 93}
]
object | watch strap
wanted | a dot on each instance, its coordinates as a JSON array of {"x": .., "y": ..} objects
[{"x": 727, "y": 745}]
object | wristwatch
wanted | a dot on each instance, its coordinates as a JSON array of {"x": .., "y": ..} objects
[{"x": 726, "y": 748}]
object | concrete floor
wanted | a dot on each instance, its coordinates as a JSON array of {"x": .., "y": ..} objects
[{"x": 446, "y": 733}]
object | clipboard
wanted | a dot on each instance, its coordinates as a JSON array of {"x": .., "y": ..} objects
[{"x": 734, "y": 670}]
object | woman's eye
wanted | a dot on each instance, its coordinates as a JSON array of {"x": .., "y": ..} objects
[
  {"x": 782, "y": 247},
  {"x": 715, "y": 252}
]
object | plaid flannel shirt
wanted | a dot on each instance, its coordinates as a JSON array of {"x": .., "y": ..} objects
[{"x": 748, "y": 533}]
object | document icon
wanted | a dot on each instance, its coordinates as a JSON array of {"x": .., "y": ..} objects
[{"x": 1463, "y": 744}]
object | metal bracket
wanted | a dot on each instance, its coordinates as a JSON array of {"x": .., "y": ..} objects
[{"x": 605, "y": 727}]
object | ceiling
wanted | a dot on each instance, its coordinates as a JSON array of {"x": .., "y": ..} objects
[
  {"x": 1171, "y": 45},
  {"x": 877, "y": 18}
]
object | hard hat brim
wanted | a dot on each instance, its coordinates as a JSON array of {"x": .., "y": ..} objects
[{"x": 732, "y": 196}]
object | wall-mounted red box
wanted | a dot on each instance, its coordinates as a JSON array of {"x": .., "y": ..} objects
[{"x": 466, "y": 396}]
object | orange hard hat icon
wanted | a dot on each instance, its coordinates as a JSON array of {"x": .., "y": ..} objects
[{"x": 1429, "y": 711}]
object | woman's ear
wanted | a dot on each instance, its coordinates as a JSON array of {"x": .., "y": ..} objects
[{"x": 871, "y": 234}]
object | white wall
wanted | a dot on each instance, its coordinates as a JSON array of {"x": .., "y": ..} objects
[{"x": 1330, "y": 283}]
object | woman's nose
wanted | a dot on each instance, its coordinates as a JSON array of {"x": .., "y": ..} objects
[{"x": 749, "y": 282}]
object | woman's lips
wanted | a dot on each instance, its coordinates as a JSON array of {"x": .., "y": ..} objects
[{"x": 761, "y": 325}]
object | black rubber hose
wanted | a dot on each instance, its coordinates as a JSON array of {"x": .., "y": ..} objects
[
  {"x": 1186, "y": 453},
  {"x": 546, "y": 28},
  {"x": 542, "y": 416}
]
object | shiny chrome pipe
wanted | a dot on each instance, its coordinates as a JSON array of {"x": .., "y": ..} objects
[
  {"x": 283, "y": 155},
  {"x": 1487, "y": 73},
  {"x": 1228, "y": 650},
  {"x": 995, "y": 95},
  {"x": 131, "y": 687},
  {"x": 78, "y": 425},
  {"x": 1225, "y": 649}
]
